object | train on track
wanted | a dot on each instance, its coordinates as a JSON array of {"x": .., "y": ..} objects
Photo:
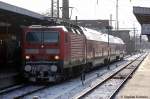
[{"x": 51, "y": 53}]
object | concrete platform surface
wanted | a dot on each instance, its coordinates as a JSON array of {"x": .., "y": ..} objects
[{"x": 138, "y": 87}]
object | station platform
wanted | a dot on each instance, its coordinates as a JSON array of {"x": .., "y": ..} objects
[{"x": 138, "y": 87}]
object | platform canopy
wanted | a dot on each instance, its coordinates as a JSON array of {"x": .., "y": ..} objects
[
  {"x": 12, "y": 15},
  {"x": 143, "y": 16}
]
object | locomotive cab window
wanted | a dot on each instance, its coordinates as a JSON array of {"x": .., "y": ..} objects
[
  {"x": 51, "y": 37},
  {"x": 34, "y": 37}
]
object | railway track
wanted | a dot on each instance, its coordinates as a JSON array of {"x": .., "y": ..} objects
[
  {"x": 108, "y": 87},
  {"x": 11, "y": 88},
  {"x": 64, "y": 90},
  {"x": 67, "y": 89},
  {"x": 8, "y": 79},
  {"x": 20, "y": 91}
]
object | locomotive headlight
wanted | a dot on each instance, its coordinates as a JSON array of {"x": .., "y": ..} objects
[
  {"x": 56, "y": 57},
  {"x": 27, "y": 57},
  {"x": 53, "y": 68},
  {"x": 27, "y": 68}
]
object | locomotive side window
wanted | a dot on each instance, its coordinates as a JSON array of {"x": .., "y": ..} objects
[
  {"x": 51, "y": 37},
  {"x": 34, "y": 37}
]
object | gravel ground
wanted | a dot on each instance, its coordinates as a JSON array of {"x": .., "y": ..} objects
[{"x": 103, "y": 92}]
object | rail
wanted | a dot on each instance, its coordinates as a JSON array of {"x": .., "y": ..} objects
[{"x": 89, "y": 90}]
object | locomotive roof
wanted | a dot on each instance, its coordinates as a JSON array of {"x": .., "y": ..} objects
[
  {"x": 98, "y": 36},
  {"x": 40, "y": 26},
  {"x": 89, "y": 33},
  {"x": 63, "y": 27}
]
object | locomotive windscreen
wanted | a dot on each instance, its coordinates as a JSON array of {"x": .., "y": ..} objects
[
  {"x": 50, "y": 37},
  {"x": 42, "y": 37}
]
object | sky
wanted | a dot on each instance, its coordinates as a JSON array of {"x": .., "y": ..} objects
[{"x": 89, "y": 9}]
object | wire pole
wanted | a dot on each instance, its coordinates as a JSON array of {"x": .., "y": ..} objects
[
  {"x": 117, "y": 22},
  {"x": 97, "y": 2},
  {"x": 134, "y": 40},
  {"x": 65, "y": 9},
  {"x": 108, "y": 60},
  {"x": 110, "y": 22},
  {"x": 52, "y": 8},
  {"x": 57, "y": 8},
  {"x": 140, "y": 43}
]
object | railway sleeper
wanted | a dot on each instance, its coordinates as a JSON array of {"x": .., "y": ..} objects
[{"x": 120, "y": 76}]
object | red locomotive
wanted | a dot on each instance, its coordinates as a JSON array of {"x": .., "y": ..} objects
[{"x": 53, "y": 52}]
